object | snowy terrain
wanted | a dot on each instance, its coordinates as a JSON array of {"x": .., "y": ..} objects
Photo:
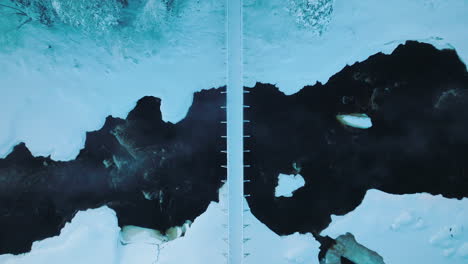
[
  {"x": 412, "y": 228},
  {"x": 60, "y": 81},
  {"x": 264, "y": 246},
  {"x": 57, "y": 83},
  {"x": 84, "y": 78},
  {"x": 361, "y": 121},
  {"x": 94, "y": 237},
  {"x": 292, "y": 46},
  {"x": 287, "y": 184},
  {"x": 283, "y": 46}
]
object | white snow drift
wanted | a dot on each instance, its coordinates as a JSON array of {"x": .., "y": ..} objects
[
  {"x": 412, "y": 228},
  {"x": 58, "y": 82},
  {"x": 293, "y": 43},
  {"x": 362, "y": 121},
  {"x": 94, "y": 237}
]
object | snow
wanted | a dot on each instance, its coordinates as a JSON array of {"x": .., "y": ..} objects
[
  {"x": 91, "y": 237},
  {"x": 287, "y": 184},
  {"x": 63, "y": 91},
  {"x": 283, "y": 48},
  {"x": 94, "y": 237},
  {"x": 58, "y": 82},
  {"x": 131, "y": 234},
  {"x": 356, "y": 120},
  {"x": 52, "y": 95},
  {"x": 463, "y": 250},
  {"x": 264, "y": 246},
  {"x": 401, "y": 228},
  {"x": 203, "y": 240},
  {"x": 411, "y": 228},
  {"x": 280, "y": 48}
]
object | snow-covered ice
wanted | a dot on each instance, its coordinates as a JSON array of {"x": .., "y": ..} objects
[
  {"x": 287, "y": 184},
  {"x": 264, "y": 246},
  {"x": 283, "y": 49},
  {"x": 62, "y": 83},
  {"x": 58, "y": 82},
  {"x": 362, "y": 121},
  {"x": 94, "y": 237},
  {"x": 401, "y": 228},
  {"x": 411, "y": 228},
  {"x": 91, "y": 237}
]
